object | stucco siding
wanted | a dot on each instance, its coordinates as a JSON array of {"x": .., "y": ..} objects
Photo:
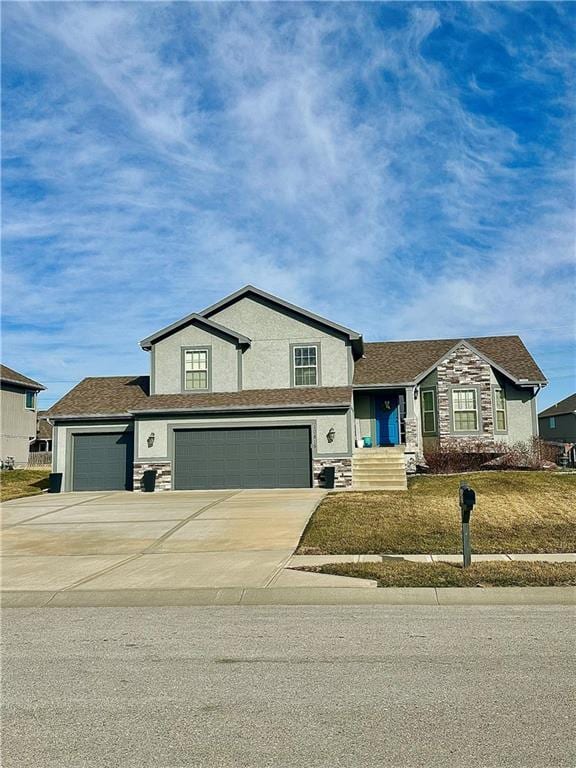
[
  {"x": 167, "y": 369},
  {"x": 18, "y": 424},
  {"x": 519, "y": 416},
  {"x": 267, "y": 362},
  {"x": 363, "y": 415},
  {"x": 321, "y": 421}
]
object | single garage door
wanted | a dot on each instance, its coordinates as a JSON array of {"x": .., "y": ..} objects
[
  {"x": 102, "y": 462},
  {"x": 269, "y": 457}
]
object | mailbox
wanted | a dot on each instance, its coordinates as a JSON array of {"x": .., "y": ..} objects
[{"x": 467, "y": 501}]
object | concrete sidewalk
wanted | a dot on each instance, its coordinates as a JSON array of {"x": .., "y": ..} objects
[{"x": 552, "y": 557}]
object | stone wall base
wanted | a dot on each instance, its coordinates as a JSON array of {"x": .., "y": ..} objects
[
  {"x": 411, "y": 458},
  {"x": 163, "y": 475},
  {"x": 342, "y": 479},
  {"x": 342, "y": 475}
]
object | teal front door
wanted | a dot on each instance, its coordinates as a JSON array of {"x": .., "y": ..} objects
[{"x": 387, "y": 420}]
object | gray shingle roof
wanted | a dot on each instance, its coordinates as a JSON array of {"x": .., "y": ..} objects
[
  {"x": 398, "y": 362},
  {"x": 13, "y": 377},
  {"x": 568, "y": 405},
  {"x": 121, "y": 395}
]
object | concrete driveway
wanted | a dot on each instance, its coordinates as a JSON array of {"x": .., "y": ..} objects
[{"x": 130, "y": 541}]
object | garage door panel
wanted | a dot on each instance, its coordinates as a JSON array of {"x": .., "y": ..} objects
[
  {"x": 102, "y": 462},
  {"x": 266, "y": 457}
]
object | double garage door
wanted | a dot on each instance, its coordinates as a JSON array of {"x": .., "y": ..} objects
[
  {"x": 267, "y": 457},
  {"x": 242, "y": 458}
]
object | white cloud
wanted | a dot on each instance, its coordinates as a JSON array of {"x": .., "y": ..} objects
[{"x": 183, "y": 150}]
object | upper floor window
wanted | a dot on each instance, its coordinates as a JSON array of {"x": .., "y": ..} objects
[
  {"x": 465, "y": 410},
  {"x": 196, "y": 369},
  {"x": 428, "y": 412},
  {"x": 30, "y": 399},
  {"x": 305, "y": 366},
  {"x": 500, "y": 410},
  {"x": 552, "y": 422}
]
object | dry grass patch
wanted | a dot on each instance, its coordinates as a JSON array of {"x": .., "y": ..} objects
[
  {"x": 489, "y": 574},
  {"x": 515, "y": 512},
  {"x": 15, "y": 483}
]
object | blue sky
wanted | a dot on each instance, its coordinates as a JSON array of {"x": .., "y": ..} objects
[{"x": 405, "y": 169}]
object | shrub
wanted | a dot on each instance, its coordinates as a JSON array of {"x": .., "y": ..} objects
[{"x": 450, "y": 456}]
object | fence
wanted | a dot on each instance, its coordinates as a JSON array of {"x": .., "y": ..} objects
[{"x": 40, "y": 459}]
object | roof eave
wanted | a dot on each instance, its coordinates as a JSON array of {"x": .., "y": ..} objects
[
  {"x": 84, "y": 416},
  {"x": 385, "y": 385},
  {"x": 245, "y": 408},
  {"x": 168, "y": 330},
  {"x": 354, "y": 336},
  {"x": 25, "y": 385}
]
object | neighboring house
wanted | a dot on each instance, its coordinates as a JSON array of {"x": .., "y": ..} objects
[
  {"x": 18, "y": 415},
  {"x": 558, "y": 423},
  {"x": 256, "y": 392},
  {"x": 43, "y": 442}
]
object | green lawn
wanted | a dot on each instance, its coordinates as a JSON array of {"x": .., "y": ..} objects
[
  {"x": 22, "y": 482},
  {"x": 489, "y": 574},
  {"x": 515, "y": 512}
]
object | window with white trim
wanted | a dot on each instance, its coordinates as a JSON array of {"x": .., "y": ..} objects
[
  {"x": 500, "y": 410},
  {"x": 30, "y": 399},
  {"x": 305, "y": 366},
  {"x": 428, "y": 412},
  {"x": 465, "y": 410},
  {"x": 552, "y": 422},
  {"x": 196, "y": 369}
]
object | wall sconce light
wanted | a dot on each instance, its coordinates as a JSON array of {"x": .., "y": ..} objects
[
  {"x": 415, "y": 393},
  {"x": 331, "y": 435},
  {"x": 150, "y": 439}
]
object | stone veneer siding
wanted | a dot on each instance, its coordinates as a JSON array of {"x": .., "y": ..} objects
[
  {"x": 163, "y": 475},
  {"x": 462, "y": 368},
  {"x": 342, "y": 475},
  {"x": 413, "y": 451},
  {"x": 342, "y": 479}
]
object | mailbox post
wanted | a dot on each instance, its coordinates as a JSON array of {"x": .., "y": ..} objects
[{"x": 467, "y": 501}]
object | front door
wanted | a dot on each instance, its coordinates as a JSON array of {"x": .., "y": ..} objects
[{"x": 387, "y": 420}]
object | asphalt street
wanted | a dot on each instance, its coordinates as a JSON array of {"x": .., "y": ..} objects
[{"x": 312, "y": 687}]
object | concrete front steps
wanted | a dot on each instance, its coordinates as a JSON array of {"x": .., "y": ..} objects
[{"x": 379, "y": 469}]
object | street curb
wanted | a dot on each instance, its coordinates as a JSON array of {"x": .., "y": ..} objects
[{"x": 393, "y": 596}]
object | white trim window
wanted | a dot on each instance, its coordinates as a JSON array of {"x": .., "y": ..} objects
[
  {"x": 196, "y": 369},
  {"x": 500, "y": 420},
  {"x": 552, "y": 422},
  {"x": 305, "y": 366},
  {"x": 428, "y": 412},
  {"x": 30, "y": 400},
  {"x": 465, "y": 410}
]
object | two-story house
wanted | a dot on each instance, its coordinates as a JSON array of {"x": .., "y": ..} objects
[
  {"x": 254, "y": 392},
  {"x": 558, "y": 422},
  {"x": 18, "y": 397}
]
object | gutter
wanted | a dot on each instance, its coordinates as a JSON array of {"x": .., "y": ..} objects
[
  {"x": 36, "y": 386},
  {"x": 245, "y": 408},
  {"x": 199, "y": 411}
]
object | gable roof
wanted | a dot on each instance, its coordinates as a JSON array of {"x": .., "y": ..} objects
[
  {"x": 128, "y": 395},
  {"x": 197, "y": 319},
  {"x": 43, "y": 426},
  {"x": 568, "y": 405},
  {"x": 404, "y": 362},
  {"x": 10, "y": 376},
  {"x": 251, "y": 291}
]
